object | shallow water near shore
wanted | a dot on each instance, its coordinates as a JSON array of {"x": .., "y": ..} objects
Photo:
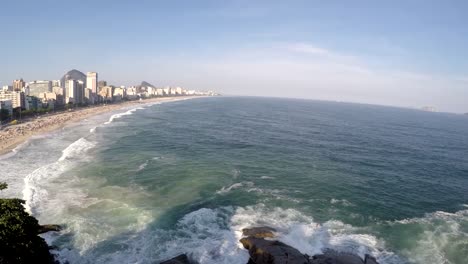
[{"x": 147, "y": 183}]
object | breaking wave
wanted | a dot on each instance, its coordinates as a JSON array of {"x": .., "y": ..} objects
[
  {"x": 225, "y": 190},
  {"x": 34, "y": 191},
  {"x": 119, "y": 115}
]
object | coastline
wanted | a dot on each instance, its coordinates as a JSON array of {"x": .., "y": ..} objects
[{"x": 13, "y": 136}]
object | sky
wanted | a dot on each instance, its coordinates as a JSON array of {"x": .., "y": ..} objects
[{"x": 408, "y": 53}]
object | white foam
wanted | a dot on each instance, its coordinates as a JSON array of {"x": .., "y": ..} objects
[
  {"x": 225, "y": 190},
  {"x": 142, "y": 166},
  {"x": 119, "y": 115},
  {"x": 437, "y": 236},
  {"x": 76, "y": 148},
  {"x": 267, "y": 178},
  {"x": 34, "y": 192},
  {"x": 308, "y": 236},
  {"x": 343, "y": 202},
  {"x": 201, "y": 234},
  {"x": 235, "y": 173}
]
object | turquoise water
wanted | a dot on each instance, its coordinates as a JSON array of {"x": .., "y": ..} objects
[{"x": 145, "y": 184}]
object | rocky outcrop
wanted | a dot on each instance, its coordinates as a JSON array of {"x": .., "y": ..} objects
[
  {"x": 49, "y": 228},
  {"x": 259, "y": 232},
  {"x": 181, "y": 259},
  {"x": 333, "y": 257},
  {"x": 272, "y": 252},
  {"x": 268, "y": 251}
]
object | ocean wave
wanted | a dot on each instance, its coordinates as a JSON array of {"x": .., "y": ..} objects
[
  {"x": 142, "y": 166},
  {"x": 439, "y": 237},
  {"x": 234, "y": 186},
  {"x": 35, "y": 192},
  {"x": 342, "y": 202},
  {"x": 76, "y": 148},
  {"x": 212, "y": 236},
  {"x": 119, "y": 115},
  {"x": 235, "y": 173},
  {"x": 310, "y": 237}
]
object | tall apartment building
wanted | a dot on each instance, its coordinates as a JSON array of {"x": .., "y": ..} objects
[
  {"x": 92, "y": 82},
  {"x": 18, "y": 85},
  {"x": 38, "y": 88},
  {"x": 17, "y": 98},
  {"x": 71, "y": 91}
]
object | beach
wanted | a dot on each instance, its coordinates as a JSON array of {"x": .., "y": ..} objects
[{"x": 12, "y": 136}]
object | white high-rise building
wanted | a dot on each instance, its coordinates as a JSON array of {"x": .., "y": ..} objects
[
  {"x": 71, "y": 91},
  {"x": 92, "y": 81}
]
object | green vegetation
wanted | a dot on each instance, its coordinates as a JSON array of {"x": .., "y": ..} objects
[{"x": 19, "y": 240}]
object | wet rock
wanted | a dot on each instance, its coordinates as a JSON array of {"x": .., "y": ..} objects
[
  {"x": 49, "y": 228},
  {"x": 370, "y": 260},
  {"x": 259, "y": 232},
  {"x": 263, "y": 251},
  {"x": 332, "y": 257},
  {"x": 181, "y": 259}
]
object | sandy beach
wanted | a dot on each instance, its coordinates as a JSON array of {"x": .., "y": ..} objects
[{"x": 12, "y": 136}]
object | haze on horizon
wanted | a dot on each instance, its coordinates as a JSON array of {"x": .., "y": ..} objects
[{"x": 400, "y": 53}]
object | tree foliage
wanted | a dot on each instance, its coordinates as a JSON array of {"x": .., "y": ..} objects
[{"x": 19, "y": 240}]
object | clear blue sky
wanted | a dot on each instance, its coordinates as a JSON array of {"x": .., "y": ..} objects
[{"x": 403, "y": 53}]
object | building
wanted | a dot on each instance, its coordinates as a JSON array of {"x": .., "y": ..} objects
[
  {"x": 7, "y": 88},
  {"x": 71, "y": 91},
  {"x": 37, "y": 88},
  {"x": 92, "y": 81},
  {"x": 159, "y": 92},
  {"x": 50, "y": 100},
  {"x": 102, "y": 84},
  {"x": 131, "y": 93},
  {"x": 81, "y": 92},
  {"x": 8, "y": 105},
  {"x": 106, "y": 93},
  {"x": 57, "y": 90},
  {"x": 17, "y": 98},
  {"x": 166, "y": 91},
  {"x": 119, "y": 94},
  {"x": 56, "y": 83},
  {"x": 18, "y": 85},
  {"x": 88, "y": 96},
  {"x": 32, "y": 102}
]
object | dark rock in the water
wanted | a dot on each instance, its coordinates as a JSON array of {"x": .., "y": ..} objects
[
  {"x": 49, "y": 228},
  {"x": 370, "y": 260},
  {"x": 181, "y": 259},
  {"x": 332, "y": 257},
  {"x": 259, "y": 232},
  {"x": 264, "y": 251},
  {"x": 272, "y": 252}
]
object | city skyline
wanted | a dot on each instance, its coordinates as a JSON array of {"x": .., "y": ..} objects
[{"x": 401, "y": 54}]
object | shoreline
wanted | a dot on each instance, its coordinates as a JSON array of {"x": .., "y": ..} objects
[{"x": 15, "y": 135}]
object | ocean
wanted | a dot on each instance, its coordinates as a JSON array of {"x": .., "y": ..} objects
[{"x": 147, "y": 183}]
